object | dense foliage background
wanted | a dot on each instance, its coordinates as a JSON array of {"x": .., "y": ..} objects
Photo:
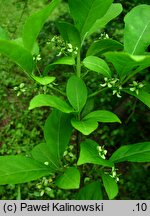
[{"x": 21, "y": 129}]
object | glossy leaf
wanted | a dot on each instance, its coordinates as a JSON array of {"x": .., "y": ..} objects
[
  {"x": 89, "y": 154},
  {"x": 70, "y": 179},
  {"x": 35, "y": 23},
  {"x": 57, "y": 133},
  {"x": 142, "y": 96},
  {"x": 85, "y": 126},
  {"x": 69, "y": 33},
  {"x": 51, "y": 101},
  {"x": 17, "y": 54},
  {"x": 3, "y": 34},
  {"x": 113, "y": 11},
  {"x": 102, "y": 46},
  {"x": 90, "y": 191},
  {"x": 19, "y": 169},
  {"x": 61, "y": 61},
  {"x": 86, "y": 12},
  {"x": 139, "y": 152},
  {"x": 98, "y": 65},
  {"x": 102, "y": 116},
  {"x": 137, "y": 30},
  {"x": 120, "y": 59},
  {"x": 43, "y": 80},
  {"x": 76, "y": 92},
  {"x": 110, "y": 185},
  {"x": 42, "y": 154}
]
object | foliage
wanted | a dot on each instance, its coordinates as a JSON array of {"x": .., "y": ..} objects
[{"x": 71, "y": 110}]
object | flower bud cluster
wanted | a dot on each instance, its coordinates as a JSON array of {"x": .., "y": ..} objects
[
  {"x": 63, "y": 47},
  {"x": 21, "y": 89},
  {"x": 37, "y": 58},
  {"x": 69, "y": 154},
  {"x": 114, "y": 84},
  {"x": 114, "y": 174},
  {"x": 102, "y": 151},
  {"x": 44, "y": 186},
  {"x": 136, "y": 86},
  {"x": 104, "y": 36}
]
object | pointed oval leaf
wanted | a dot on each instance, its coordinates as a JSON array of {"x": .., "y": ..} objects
[
  {"x": 35, "y": 23},
  {"x": 86, "y": 127},
  {"x": 113, "y": 11},
  {"x": 19, "y": 169},
  {"x": 110, "y": 185},
  {"x": 90, "y": 191},
  {"x": 57, "y": 133},
  {"x": 139, "y": 152},
  {"x": 44, "y": 80},
  {"x": 137, "y": 30},
  {"x": 42, "y": 154},
  {"x": 102, "y": 116},
  {"x": 52, "y": 101},
  {"x": 17, "y": 54},
  {"x": 86, "y": 12},
  {"x": 102, "y": 46},
  {"x": 69, "y": 33},
  {"x": 142, "y": 96},
  {"x": 89, "y": 154},
  {"x": 76, "y": 92},
  {"x": 70, "y": 179},
  {"x": 98, "y": 65}
]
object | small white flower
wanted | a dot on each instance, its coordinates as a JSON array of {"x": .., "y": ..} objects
[
  {"x": 137, "y": 91},
  {"x": 42, "y": 193},
  {"x": 109, "y": 85},
  {"x": 118, "y": 95},
  {"x": 46, "y": 163},
  {"x": 70, "y": 45},
  {"x": 103, "y": 85}
]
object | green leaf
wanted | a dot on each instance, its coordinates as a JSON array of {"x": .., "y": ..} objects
[
  {"x": 102, "y": 116},
  {"x": 3, "y": 34},
  {"x": 89, "y": 106},
  {"x": 57, "y": 133},
  {"x": 35, "y": 50},
  {"x": 110, "y": 185},
  {"x": 85, "y": 126},
  {"x": 69, "y": 33},
  {"x": 52, "y": 101},
  {"x": 17, "y": 54},
  {"x": 113, "y": 11},
  {"x": 19, "y": 169},
  {"x": 102, "y": 46},
  {"x": 70, "y": 179},
  {"x": 43, "y": 80},
  {"x": 139, "y": 152},
  {"x": 67, "y": 60},
  {"x": 35, "y": 23},
  {"x": 42, "y": 154},
  {"x": 137, "y": 30},
  {"x": 142, "y": 96},
  {"x": 89, "y": 154},
  {"x": 86, "y": 12},
  {"x": 90, "y": 191},
  {"x": 98, "y": 65},
  {"x": 76, "y": 92},
  {"x": 135, "y": 63}
]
